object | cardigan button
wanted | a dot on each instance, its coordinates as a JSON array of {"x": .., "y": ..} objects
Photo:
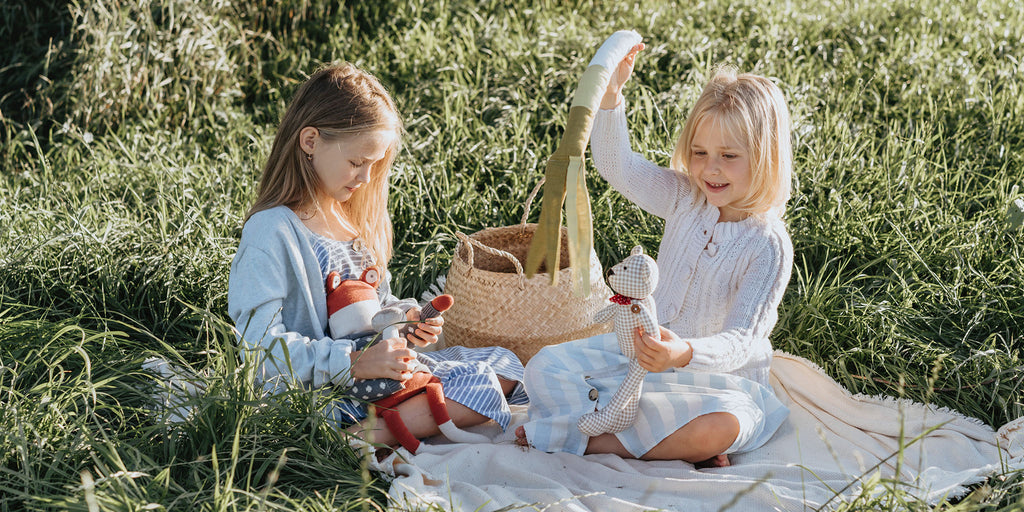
[{"x": 592, "y": 395}]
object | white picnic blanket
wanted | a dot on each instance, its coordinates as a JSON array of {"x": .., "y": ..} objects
[{"x": 830, "y": 450}]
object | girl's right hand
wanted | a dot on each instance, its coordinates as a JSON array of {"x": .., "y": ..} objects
[
  {"x": 660, "y": 355},
  {"x": 388, "y": 359},
  {"x": 613, "y": 94}
]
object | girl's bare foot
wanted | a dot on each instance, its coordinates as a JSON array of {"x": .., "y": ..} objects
[
  {"x": 718, "y": 461},
  {"x": 521, "y": 436}
]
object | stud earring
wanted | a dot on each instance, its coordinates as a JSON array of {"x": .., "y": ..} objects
[{"x": 309, "y": 157}]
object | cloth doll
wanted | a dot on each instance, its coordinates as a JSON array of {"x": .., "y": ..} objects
[
  {"x": 633, "y": 280},
  {"x": 355, "y": 313}
]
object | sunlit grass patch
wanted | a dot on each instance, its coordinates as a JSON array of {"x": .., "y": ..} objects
[{"x": 133, "y": 134}]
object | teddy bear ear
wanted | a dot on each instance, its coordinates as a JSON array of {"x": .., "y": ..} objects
[
  {"x": 333, "y": 281},
  {"x": 371, "y": 276},
  {"x": 637, "y": 250}
]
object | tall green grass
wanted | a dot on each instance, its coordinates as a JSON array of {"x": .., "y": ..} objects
[{"x": 133, "y": 134}]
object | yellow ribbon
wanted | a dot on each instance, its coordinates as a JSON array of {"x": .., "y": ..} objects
[{"x": 565, "y": 175}]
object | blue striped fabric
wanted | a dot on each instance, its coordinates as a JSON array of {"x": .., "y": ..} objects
[
  {"x": 561, "y": 379},
  {"x": 323, "y": 254},
  {"x": 342, "y": 257},
  {"x": 468, "y": 376}
]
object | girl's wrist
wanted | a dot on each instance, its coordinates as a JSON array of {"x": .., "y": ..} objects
[
  {"x": 353, "y": 358},
  {"x": 685, "y": 354}
]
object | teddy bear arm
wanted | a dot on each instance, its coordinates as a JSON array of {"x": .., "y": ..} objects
[
  {"x": 649, "y": 324},
  {"x": 605, "y": 314}
]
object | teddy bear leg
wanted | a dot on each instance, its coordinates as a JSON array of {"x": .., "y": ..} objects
[
  {"x": 621, "y": 411},
  {"x": 439, "y": 410},
  {"x": 397, "y": 427}
]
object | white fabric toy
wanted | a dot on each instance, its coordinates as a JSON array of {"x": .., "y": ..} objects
[
  {"x": 633, "y": 280},
  {"x": 355, "y": 312}
]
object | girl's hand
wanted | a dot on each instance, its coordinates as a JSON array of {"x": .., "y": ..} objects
[
  {"x": 388, "y": 359},
  {"x": 658, "y": 356},
  {"x": 613, "y": 94},
  {"x": 426, "y": 331}
]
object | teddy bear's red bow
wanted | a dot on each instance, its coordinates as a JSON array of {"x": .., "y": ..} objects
[{"x": 619, "y": 298}]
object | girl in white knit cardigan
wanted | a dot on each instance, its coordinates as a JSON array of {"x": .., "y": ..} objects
[{"x": 725, "y": 260}]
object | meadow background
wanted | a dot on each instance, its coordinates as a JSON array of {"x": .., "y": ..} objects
[{"x": 133, "y": 134}]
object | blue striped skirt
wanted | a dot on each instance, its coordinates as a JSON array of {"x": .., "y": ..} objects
[
  {"x": 468, "y": 376},
  {"x": 563, "y": 380}
]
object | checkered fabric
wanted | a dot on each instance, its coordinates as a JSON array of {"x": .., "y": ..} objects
[
  {"x": 636, "y": 276},
  {"x": 622, "y": 411}
]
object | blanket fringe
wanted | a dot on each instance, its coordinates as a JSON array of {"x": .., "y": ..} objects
[
  {"x": 1011, "y": 438},
  {"x": 889, "y": 401}
]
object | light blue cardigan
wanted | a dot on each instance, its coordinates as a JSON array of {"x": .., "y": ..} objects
[{"x": 277, "y": 300}]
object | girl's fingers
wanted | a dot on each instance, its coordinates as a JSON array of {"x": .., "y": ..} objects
[
  {"x": 436, "y": 321},
  {"x": 413, "y": 314},
  {"x": 634, "y": 51},
  {"x": 431, "y": 329},
  {"x": 416, "y": 340},
  {"x": 404, "y": 354},
  {"x": 427, "y": 332},
  {"x": 399, "y": 350},
  {"x": 422, "y": 338},
  {"x": 392, "y": 359},
  {"x": 403, "y": 368},
  {"x": 647, "y": 364},
  {"x": 646, "y": 339},
  {"x": 631, "y": 56}
]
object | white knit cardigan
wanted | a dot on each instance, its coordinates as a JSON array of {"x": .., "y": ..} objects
[{"x": 721, "y": 282}]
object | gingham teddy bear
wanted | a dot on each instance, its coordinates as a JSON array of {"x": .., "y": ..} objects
[{"x": 633, "y": 280}]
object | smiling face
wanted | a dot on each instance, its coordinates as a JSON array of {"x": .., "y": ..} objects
[
  {"x": 719, "y": 165},
  {"x": 345, "y": 165},
  {"x": 735, "y": 146}
]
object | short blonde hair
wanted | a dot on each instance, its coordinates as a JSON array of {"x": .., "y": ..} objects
[
  {"x": 340, "y": 101},
  {"x": 752, "y": 109}
]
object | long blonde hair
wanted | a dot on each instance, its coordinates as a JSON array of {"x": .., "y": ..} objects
[
  {"x": 752, "y": 109},
  {"x": 339, "y": 101}
]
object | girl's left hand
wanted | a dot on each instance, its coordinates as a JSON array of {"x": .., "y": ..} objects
[
  {"x": 613, "y": 93},
  {"x": 658, "y": 356},
  {"x": 427, "y": 331}
]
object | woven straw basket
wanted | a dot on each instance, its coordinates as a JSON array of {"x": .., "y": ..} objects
[{"x": 496, "y": 305}]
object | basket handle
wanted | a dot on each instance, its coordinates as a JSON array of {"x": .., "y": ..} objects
[
  {"x": 529, "y": 200},
  {"x": 469, "y": 243}
]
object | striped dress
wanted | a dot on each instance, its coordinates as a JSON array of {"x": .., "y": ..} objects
[
  {"x": 568, "y": 380},
  {"x": 468, "y": 376}
]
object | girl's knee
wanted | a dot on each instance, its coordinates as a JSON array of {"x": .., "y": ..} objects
[
  {"x": 702, "y": 438},
  {"x": 720, "y": 429},
  {"x": 711, "y": 434},
  {"x": 727, "y": 422}
]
